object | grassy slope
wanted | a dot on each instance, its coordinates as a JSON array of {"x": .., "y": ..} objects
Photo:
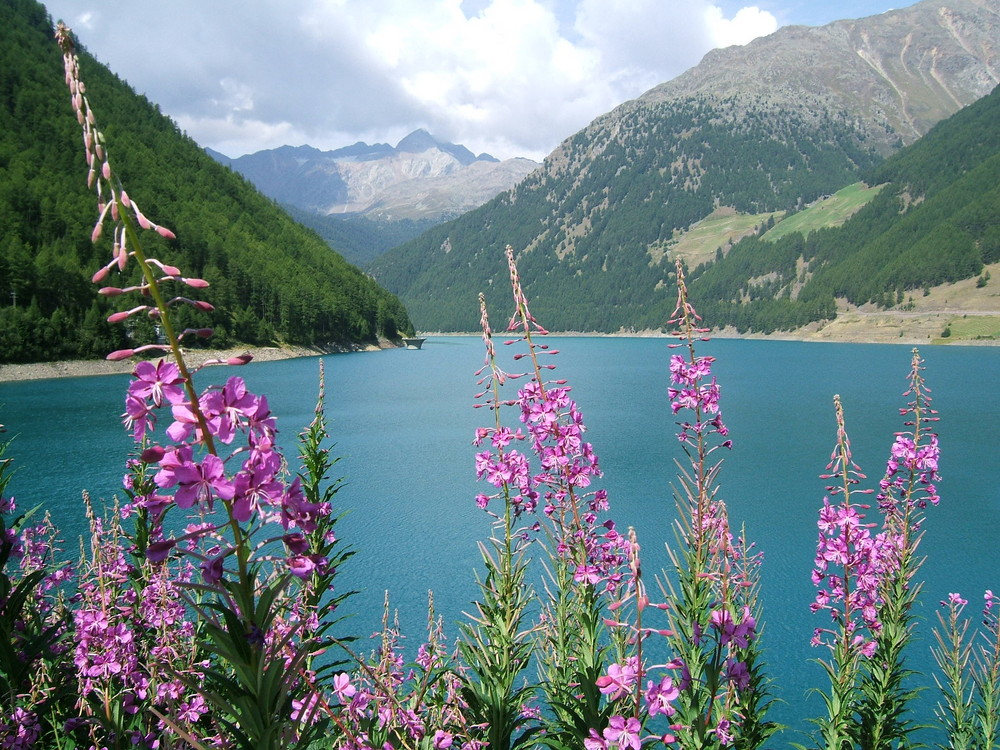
[
  {"x": 971, "y": 312},
  {"x": 831, "y": 211},
  {"x": 722, "y": 228}
]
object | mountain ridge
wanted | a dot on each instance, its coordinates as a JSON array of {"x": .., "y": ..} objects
[
  {"x": 420, "y": 178},
  {"x": 907, "y": 48}
]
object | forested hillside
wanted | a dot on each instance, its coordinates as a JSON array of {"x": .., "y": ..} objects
[
  {"x": 594, "y": 225},
  {"x": 936, "y": 220},
  {"x": 271, "y": 279}
]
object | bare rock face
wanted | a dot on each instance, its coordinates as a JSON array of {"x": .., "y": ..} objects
[
  {"x": 421, "y": 178},
  {"x": 899, "y": 72}
]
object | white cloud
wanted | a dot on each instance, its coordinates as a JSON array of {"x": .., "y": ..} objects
[
  {"x": 748, "y": 24},
  {"x": 511, "y": 77}
]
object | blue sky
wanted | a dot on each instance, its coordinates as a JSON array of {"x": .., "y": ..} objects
[{"x": 507, "y": 77}]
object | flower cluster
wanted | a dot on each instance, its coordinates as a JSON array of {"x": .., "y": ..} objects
[
  {"x": 21, "y": 731},
  {"x": 390, "y": 703},
  {"x": 133, "y": 646},
  {"x": 192, "y": 476},
  {"x": 912, "y": 468},
  {"x": 851, "y": 562},
  {"x": 567, "y": 465},
  {"x": 696, "y": 389}
]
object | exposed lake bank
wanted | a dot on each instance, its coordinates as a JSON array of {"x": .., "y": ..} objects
[
  {"x": 83, "y": 367},
  {"x": 858, "y": 326}
]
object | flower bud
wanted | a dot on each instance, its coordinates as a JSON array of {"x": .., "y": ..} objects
[
  {"x": 164, "y": 232},
  {"x": 153, "y": 454},
  {"x": 120, "y": 355},
  {"x": 140, "y": 217},
  {"x": 158, "y": 551},
  {"x": 110, "y": 291}
]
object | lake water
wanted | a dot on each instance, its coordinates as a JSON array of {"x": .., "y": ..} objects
[{"x": 403, "y": 423}]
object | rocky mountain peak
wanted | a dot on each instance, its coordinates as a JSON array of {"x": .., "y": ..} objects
[{"x": 421, "y": 178}]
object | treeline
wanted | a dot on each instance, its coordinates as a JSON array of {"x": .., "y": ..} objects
[
  {"x": 271, "y": 279},
  {"x": 583, "y": 225},
  {"x": 938, "y": 221}
]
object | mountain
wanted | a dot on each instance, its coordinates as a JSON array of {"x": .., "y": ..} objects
[
  {"x": 749, "y": 135},
  {"x": 271, "y": 279},
  {"x": 421, "y": 179},
  {"x": 933, "y": 221}
]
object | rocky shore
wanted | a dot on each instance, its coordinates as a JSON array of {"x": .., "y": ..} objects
[{"x": 82, "y": 368}]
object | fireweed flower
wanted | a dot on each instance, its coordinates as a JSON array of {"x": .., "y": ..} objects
[
  {"x": 715, "y": 690},
  {"x": 850, "y": 561},
  {"x": 157, "y": 382},
  {"x": 622, "y": 732},
  {"x": 620, "y": 679}
]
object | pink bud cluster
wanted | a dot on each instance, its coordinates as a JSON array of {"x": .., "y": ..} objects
[
  {"x": 114, "y": 204},
  {"x": 912, "y": 468}
]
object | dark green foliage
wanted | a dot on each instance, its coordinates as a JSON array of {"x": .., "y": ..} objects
[
  {"x": 271, "y": 279},
  {"x": 33, "y": 628}
]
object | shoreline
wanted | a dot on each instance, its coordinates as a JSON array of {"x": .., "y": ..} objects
[
  {"x": 77, "y": 368},
  {"x": 10, "y": 373}
]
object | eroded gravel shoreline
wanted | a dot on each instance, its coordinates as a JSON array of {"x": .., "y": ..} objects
[{"x": 83, "y": 368}]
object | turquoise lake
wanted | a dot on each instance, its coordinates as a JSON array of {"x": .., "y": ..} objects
[{"x": 403, "y": 423}]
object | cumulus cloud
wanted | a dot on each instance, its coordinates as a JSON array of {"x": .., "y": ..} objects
[
  {"x": 510, "y": 77},
  {"x": 748, "y": 24}
]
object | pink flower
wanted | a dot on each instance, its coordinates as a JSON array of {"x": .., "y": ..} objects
[
  {"x": 721, "y": 731},
  {"x": 199, "y": 483},
  {"x": 623, "y": 732},
  {"x": 157, "y": 383},
  {"x": 343, "y": 688},
  {"x": 619, "y": 679},
  {"x": 660, "y": 698},
  {"x": 212, "y": 570}
]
